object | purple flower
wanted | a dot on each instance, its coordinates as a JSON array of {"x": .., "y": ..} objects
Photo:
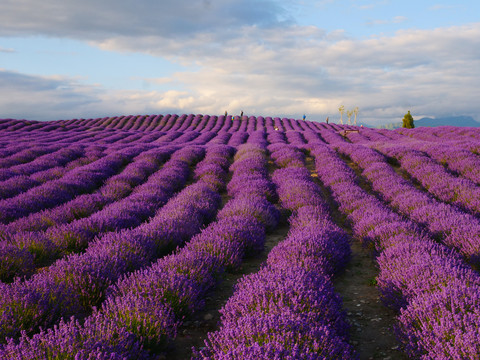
[
  {"x": 443, "y": 323},
  {"x": 270, "y": 336}
]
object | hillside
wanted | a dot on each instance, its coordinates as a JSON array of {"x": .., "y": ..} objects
[
  {"x": 217, "y": 237},
  {"x": 460, "y": 121}
]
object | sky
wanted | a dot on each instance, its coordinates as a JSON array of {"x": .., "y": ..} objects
[{"x": 66, "y": 59}]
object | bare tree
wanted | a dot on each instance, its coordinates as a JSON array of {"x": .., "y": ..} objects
[
  {"x": 349, "y": 114},
  {"x": 355, "y": 111},
  {"x": 342, "y": 111}
]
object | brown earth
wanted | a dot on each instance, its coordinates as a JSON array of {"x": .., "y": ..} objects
[
  {"x": 371, "y": 323},
  {"x": 195, "y": 330}
]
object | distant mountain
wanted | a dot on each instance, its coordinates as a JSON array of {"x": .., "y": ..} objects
[
  {"x": 461, "y": 121},
  {"x": 390, "y": 126}
]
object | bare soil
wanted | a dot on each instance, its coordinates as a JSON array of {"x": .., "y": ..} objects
[
  {"x": 194, "y": 331},
  {"x": 371, "y": 323}
]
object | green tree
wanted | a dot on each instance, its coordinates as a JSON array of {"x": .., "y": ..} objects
[{"x": 408, "y": 121}]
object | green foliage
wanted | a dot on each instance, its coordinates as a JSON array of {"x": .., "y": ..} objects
[{"x": 408, "y": 121}]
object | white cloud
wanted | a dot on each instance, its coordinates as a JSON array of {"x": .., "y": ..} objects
[
  {"x": 100, "y": 20},
  {"x": 44, "y": 98},
  {"x": 8, "y": 51},
  {"x": 370, "y": 6},
  {"x": 377, "y": 22},
  {"x": 442, "y": 7},
  {"x": 244, "y": 60},
  {"x": 395, "y": 20},
  {"x": 301, "y": 70},
  {"x": 399, "y": 19}
]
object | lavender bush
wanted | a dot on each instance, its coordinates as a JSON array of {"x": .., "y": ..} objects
[{"x": 111, "y": 234}]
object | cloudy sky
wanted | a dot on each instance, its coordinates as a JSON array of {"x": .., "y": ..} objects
[{"x": 65, "y": 59}]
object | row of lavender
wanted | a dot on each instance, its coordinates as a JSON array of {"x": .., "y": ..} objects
[
  {"x": 263, "y": 138},
  {"x": 144, "y": 309},
  {"x": 439, "y": 178},
  {"x": 130, "y": 210},
  {"x": 435, "y": 291},
  {"x": 449, "y": 169},
  {"x": 141, "y": 125},
  {"x": 62, "y": 233},
  {"x": 167, "y": 122},
  {"x": 289, "y": 310},
  {"x": 88, "y": 275},
  {"x": 26, "y": 195},
  {"x": 264, "y": 189},
  {"x": 23, "y": 170},
  {"x": 75, "y": 284},
  {"x": 36, "y": 240},
  {"x": 447, "y": 223},
  {"x": 123, "y": 201}
]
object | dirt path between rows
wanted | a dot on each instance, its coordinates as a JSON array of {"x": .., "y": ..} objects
[
  {"x": 195, "y": 330},
  {"x": 371, "y": 323}
]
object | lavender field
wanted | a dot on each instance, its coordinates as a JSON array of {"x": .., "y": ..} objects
[{"x": 220, "y": 237}]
